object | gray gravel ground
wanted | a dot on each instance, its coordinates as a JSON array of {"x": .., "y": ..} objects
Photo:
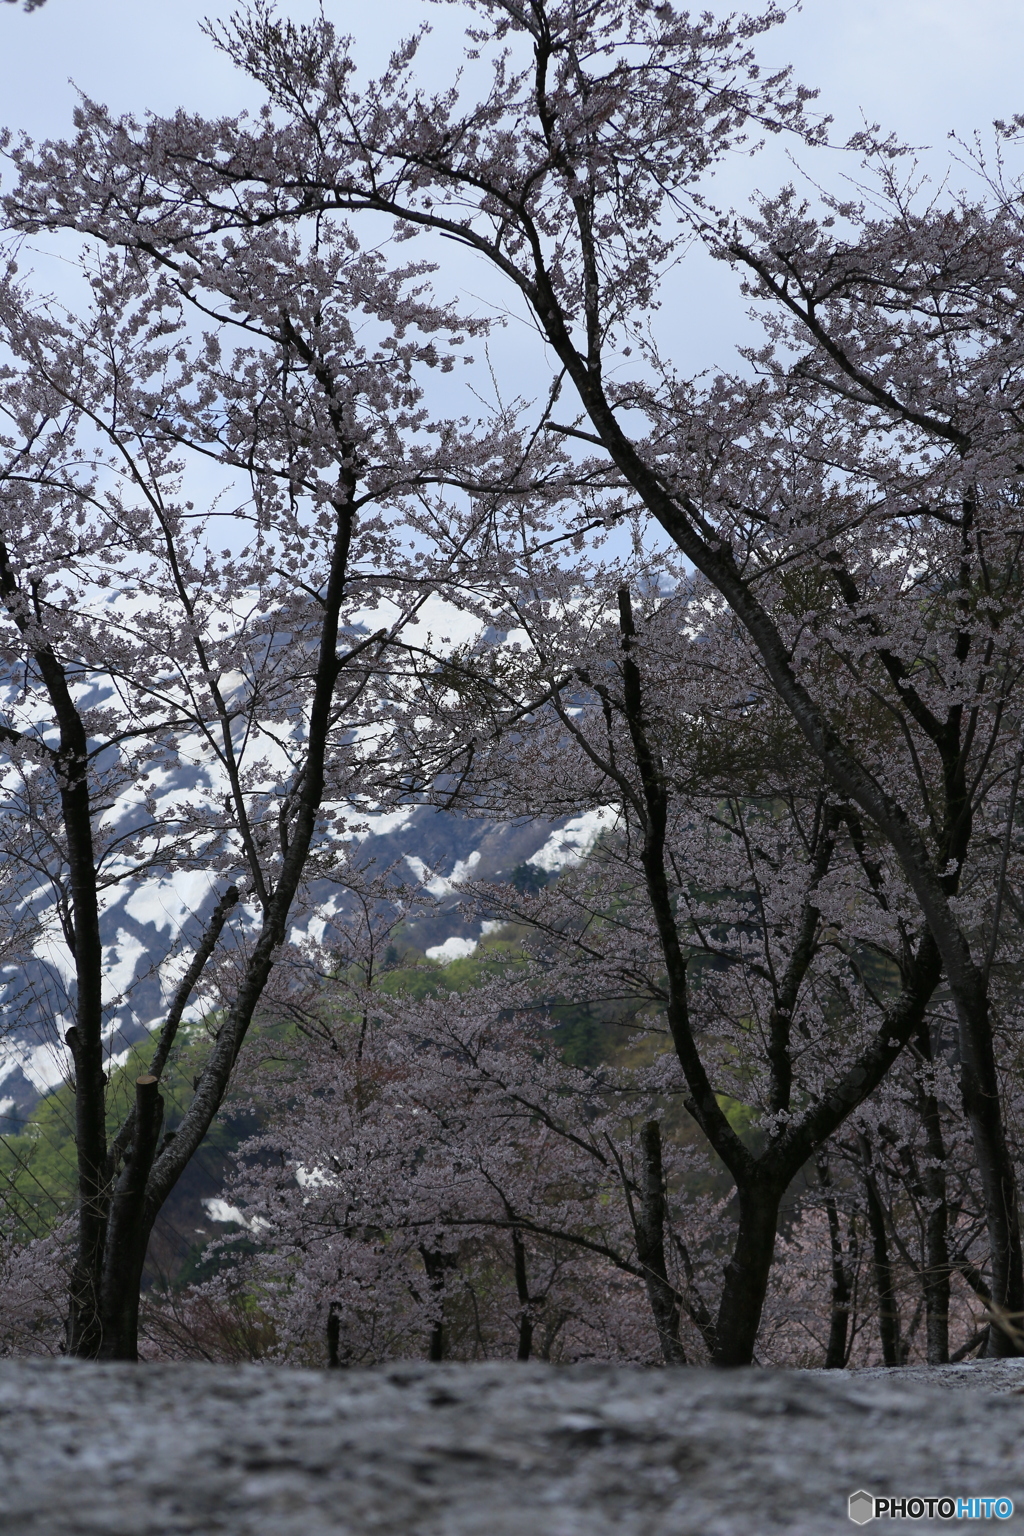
[{"x": 495, "y": 1450}]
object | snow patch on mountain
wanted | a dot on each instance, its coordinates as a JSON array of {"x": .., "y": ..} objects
[
  {"x": 220, "y": 1210},
  {"x": 441, "y": 885},
  {"x": 384, "y": 823},
  {"x": 43, "y": 1067},
  {"x": 452, "y": 949},
  {"x": 167, "y": 904},
  {"x": 149, "y": 926},
  {"x": 571, "y": 843}
]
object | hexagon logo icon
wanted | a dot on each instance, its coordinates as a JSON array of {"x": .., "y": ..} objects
[{"x": 862, "y": 1507}]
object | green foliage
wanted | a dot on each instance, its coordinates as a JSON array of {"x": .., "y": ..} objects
[
  {"x": 743, "y": 1118},
  {"x": 416, "y": 976},
  {"x": 38, "y": 1166},
  {"x": 528, "y": 879}
]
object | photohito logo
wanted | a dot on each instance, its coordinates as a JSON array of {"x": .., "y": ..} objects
[{"x": 864, "y": 1507}]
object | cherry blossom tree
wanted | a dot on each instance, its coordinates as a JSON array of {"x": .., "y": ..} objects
[
  {"x": 246, "y": 653},
  {"x": 34, "y": 1276},
  {"x": 444, "y": 1183},
  {"x": 849, "y": 504},
  {"x": 894, "y": 343},
  {"x": 736, "y": 895}
]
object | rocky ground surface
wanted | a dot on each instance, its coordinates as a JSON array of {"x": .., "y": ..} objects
[{"x": 494, "y": 1450}]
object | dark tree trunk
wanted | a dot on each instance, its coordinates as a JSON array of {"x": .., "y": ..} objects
[
  {"x": 85, "y": 1037},
  {"x": 116, "y": 1213},
  {"x": 649, "y": 1227},
  {"x": 888, "y": 1311},
  {"x": 936, "y": 1242},
  {"x": 979, "y": 1086},
  {"x": 128, "y": 1230},
  {"x": 746, "y": 1274},
  {"x": 333, "y": 1339},
  {"x": 437, "y": 1264},
  {"x": 839, "y": 1316},
  {"x": 761, "y": 1180},
  {"x": 525, "y": 1341}
]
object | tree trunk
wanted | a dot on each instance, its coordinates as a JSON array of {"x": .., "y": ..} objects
[
  {"x": 525, "y": 1343},
  {"x": 979, "y": 1086},
  {"x": 888, "y": 1311},
  {"x": 128, "y": 1230},
  {"x": 746, "y": 1274},
  {"x": 936, "y": 1245},
  {"x": 649, "y": 1227},
  {"x": 115, "y": 1224},
  {"x": 760, "y": 1181},
  {"x": 839, "y": 1319},
  {"x": 333, "y": 1339},
  {"x": 436, "y": 1265}
]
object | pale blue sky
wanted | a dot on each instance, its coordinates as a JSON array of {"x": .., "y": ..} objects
[{"x": 920, "y": 67}]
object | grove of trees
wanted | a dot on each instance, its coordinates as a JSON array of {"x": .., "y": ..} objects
[{"x": 745, "y": 1082}]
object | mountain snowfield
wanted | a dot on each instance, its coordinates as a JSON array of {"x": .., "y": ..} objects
[
  {"x": 151, "y": 921},
  {"x": 148, "y": 927},
  {"x": 145, "y": 925}
]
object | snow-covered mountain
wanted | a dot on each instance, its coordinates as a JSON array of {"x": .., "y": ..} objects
[
  {"x": 149, "y": 924},
  {"x": 146, "y": 924}
]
